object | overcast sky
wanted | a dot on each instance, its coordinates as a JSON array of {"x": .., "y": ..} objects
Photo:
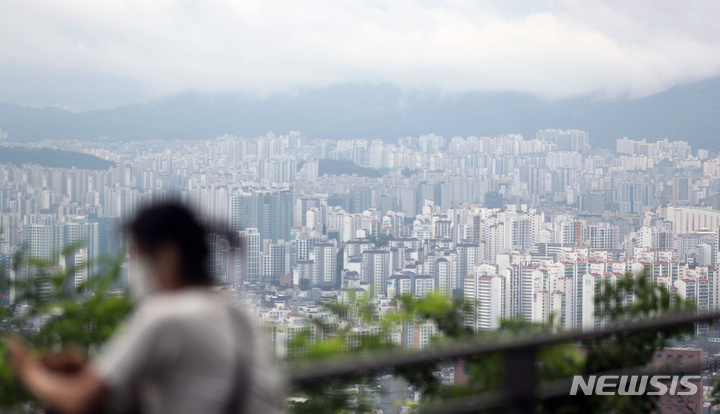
[{"x": 89, "y": 53}]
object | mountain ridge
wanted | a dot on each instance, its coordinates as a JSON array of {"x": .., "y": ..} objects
[{"x": 690, "y": 112}]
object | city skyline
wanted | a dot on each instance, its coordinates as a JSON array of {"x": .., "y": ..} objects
[
  {"x": 404, "y": 203},
  {"x": 550, "y": 190},
  {"x": 524, "y": 228}
]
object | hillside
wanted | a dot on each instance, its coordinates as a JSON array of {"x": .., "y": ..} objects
[
  {"x": 48, "y": 157},
  {"x": 383, "y": 111}
]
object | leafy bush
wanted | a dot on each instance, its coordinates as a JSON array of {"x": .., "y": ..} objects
[
  {"x": 54, "y": 314},
  {"x": 486, "y": 372}
]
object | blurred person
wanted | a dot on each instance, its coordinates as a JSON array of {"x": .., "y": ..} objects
[{"x": 183, "y": 350}]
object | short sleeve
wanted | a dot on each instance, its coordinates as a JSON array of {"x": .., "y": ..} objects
[{"x": 135, "y": 353}]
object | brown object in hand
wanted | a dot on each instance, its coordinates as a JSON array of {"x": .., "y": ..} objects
[{"x": 65, "y": 361}]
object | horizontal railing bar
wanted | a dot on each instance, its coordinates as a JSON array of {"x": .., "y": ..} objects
[
  {"x": 551, "y": 389},
  {"x": 364, "y": 363},
  {"x": 468, "y": 404}
]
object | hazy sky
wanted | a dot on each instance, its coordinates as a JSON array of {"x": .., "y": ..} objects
[{"x": 104, "y": 53}]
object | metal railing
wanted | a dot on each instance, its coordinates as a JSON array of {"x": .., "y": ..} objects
[{"x": 519, "y": 393}]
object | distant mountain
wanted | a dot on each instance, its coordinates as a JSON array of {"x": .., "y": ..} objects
[{"x": 384, "y": 111}]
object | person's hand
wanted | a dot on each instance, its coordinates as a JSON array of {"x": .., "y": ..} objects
[
  {"x": 58, "y": 380},
  {"x": 65, "y": 361},
  {"x": 20, "y": 355}
]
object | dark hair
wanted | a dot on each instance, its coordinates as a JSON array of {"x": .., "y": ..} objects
[{"x": 171, "y": 223}]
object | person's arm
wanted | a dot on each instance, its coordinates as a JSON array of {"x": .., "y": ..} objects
[{"x": 79, "y": 392}]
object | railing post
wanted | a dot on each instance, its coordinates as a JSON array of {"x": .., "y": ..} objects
[{"x": 521, "y": 380}]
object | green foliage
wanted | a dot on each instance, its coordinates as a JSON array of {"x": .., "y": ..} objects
[
  {"x": 631, "y": 299},
  {"x": 337, "y": 395},
  {"x": 448, "y": 314},
  {"x": 361, "y": 313},
  {"x": 408, "y": 172},
  {"x": 340, "y": 167},
  {"x": 304, "y": 284},
  {"x": 380, "y": 240},
  {"x": 715, "y": 393},
  {"x": 54, "y": 314}
]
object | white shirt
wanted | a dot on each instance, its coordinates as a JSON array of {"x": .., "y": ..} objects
[{"x": 178, "y": 354}]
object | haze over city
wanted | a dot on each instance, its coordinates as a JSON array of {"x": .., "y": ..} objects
[
  {"x": 85, "y": 55},
  {"x": 215, "y": 198}
]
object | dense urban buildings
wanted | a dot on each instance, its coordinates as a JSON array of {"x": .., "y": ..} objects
[{"x": 519, "y": 228}]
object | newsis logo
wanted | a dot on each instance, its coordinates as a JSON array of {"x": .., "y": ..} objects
[{"x": 635, "y": 384}]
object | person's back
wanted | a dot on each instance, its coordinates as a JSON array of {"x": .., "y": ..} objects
[
  {"x": 177, "y": 355},
  {"x": 183, "y": 351}
]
